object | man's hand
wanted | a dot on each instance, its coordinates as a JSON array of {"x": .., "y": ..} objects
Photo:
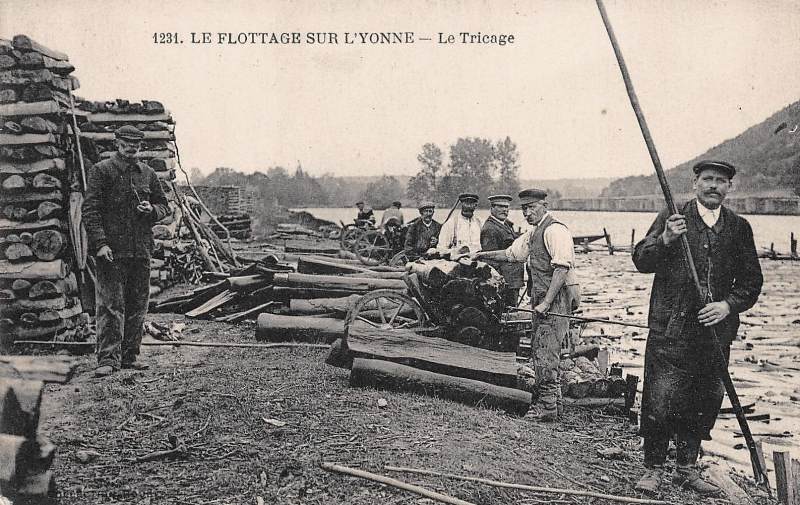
[
  {"x": 105, "y": 253},
  {"x": 476, "y": 256},
  {"x": 542, "y": 309},
  {"x": 145, "y": 207},
  {"x": 713, "y": 313},
  {"x": 674, "y": 228}
]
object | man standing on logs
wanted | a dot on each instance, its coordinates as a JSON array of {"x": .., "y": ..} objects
[
  {"x": 497, "y": 234},
  {"x": 422, "y": 233},
  {"x": 682, "y": 391},
  {"x": 548, "y": 249},
  {"x": 464, "y": 229},
  {"x": 124, "y": 199},
  {"x": 365, "y": 216}
]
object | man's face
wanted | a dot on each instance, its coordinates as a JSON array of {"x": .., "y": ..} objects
[
  {"x": 711, "y": 186},
  {"x": 468, "y": 207},
  {"x": 499, "y": 211},
  {"x": 360, "y": 206},
  {"x": 534, "y": 212},
  {"x": 427, "y": 214},
  {"x": 128, "y": 148}
]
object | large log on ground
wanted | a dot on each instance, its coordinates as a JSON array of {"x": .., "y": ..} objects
[
  {"x": 318, "y": 266},
  {"x": 355, "y": 284},
  {"x": 285, "y": 294},
  {"x": 397, "y": 377},
  {"x": 277, "y": 328},
  {"x": 316, "y": 306},
  {"x": 433, "y": 354}
]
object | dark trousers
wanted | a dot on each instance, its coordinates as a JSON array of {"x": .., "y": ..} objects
[{"x": 123, "y": 292}]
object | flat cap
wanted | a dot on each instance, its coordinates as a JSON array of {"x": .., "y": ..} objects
[
  {"x": 396, "y": 203},
  {"x": 718, "y": 165},
  {"x": 360, "y": 202},
  {"x": 129, "y": 132},
  {"x": 468, "y": 196},
  {"x": 427, "y": 204},
  {"x": 501, "y": 199},
  {"x": 529, "y": 196}
]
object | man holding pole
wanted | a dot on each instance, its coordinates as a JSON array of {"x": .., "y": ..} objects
[
  {"x": 682, "y": 389},
  {"x": 548, "y": 249}
]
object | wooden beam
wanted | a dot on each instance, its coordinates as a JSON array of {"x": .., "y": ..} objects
[
  {"x": 109, "y": 117},
  {"x": 25, "y": 43},
  {"x": 36, "y": 109},
  {"x": 17, "y": 226},
  {"x": 56, "y": 196},
  {"x": 166, "y": 153},
  {"x": 148, "y": 135},
  {"x": 8, "y": 139},
  {"x": 783, "y": 477},
  {"x": 51, "y": 270},
  {"x": 51, "y": 164}
]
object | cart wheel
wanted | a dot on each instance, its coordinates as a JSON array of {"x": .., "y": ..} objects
[
  {"x": 372, "y": 248},
  {"x": 387, "y": 310},
  {"x": 349, "y": 236},
  {"x": 399, "y": 260}
]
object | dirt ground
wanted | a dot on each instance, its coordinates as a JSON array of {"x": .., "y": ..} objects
[{"x": 228, "y": 406}]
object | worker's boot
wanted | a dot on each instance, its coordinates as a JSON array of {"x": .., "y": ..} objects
[
  {"x": 687, "y": 477},
  {"x": 546, "y": 408},
  {"x": 650, "y": 481}
]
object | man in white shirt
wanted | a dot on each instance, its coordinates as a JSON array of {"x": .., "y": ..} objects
[
  {"x": 548, "y": 249},
  {"x": 463, "y": 229}
]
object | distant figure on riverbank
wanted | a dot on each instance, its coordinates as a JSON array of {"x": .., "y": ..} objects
[
  {"x": 682, "y": 389},
  {"x": 422, "y": 233},
  {"x": 463, "y": 229},
  {"x": 365, "y": 215},
  {"x": 393, "y": 213}
]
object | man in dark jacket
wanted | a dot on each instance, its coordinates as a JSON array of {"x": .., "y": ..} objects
[
  {"x": 682, "y": 389},
  {"x": 422, "y": 233},
  {"x": 124, "y": 199},
  {"x": 497, "y": 234}
]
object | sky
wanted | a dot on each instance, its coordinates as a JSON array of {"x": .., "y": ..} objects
[{"x": 704, "y": 71}]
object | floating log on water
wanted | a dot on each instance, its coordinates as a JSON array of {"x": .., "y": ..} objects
[
  {"x": 397, "y": 377},
  {"x": 277, "y": 328}
]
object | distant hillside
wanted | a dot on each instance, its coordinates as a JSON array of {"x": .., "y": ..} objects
[
  {"x": 766, "y": 156},
  {"x": 571, "y": 188}
]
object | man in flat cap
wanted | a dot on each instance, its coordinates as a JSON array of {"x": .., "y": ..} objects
[
  {"x": 682, "y": 389},
  {"x": 497, "y": 234},
  {"x": 394, "y": 214},
  {"x": 463, "y": 229},
  {"x": 124, "y": 199},
  {"x": 422, "y": 233},
  {"x": 548, "y": 249},
  {"x": 365, "y": 215}
]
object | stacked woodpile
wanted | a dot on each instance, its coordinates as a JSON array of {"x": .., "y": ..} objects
[
  {"x": 40, "y": 173},
  {"x": 25, "y": 454},
  {"x": 238, "y": 226}
]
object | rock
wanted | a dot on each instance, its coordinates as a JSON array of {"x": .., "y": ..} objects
[
  {"x": 382, "y": 403},
  {"x": 86, "y": 456}
]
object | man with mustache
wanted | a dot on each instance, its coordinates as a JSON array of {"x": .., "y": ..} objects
[
  {"x": 463, "y": 229},
  {"x": 422, "y": 233},
  {"x": 682, "y": 391},
  {"x": 497, "y": 234},
  {"x": 124, "y": 199},
  {"x": 549, "y": 251}
]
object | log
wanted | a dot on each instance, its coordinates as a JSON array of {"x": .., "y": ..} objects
[
  {"x": 397, "y": 377},
  {"x": 108, "y": 117},
  {"x": 24, "y": 305},
  {"x": 51, "y": 270},
  {"x": 355, "y": 284},
  {"x": 312, "y": 265},
  {"x": 7, "y": 62},
  {"x": 783, "y": 476},
  {"x": 45, "y": 289},
  {"x": 15, "y": 213},
  {"x": 26, "y": 238},
  {"x": 8, "y": 96},
  {"x": 14, "y": 183},
  {"x": 277, "y": 328},
  {"x": 21, "y": 287},
  {"x": 315, "y": 306},
  {"x": 48, "y": 244},
  {"x": 28, "y": 138},
  {"x": 20, "y": 403},
  {"x": 7, "y": 296},
  {"x": 36, "y": 124},
  {"x": 248, "y": 282},
  {"x": 6, "y": 225},
  {"x": 49, "y": 316},
  {"x": 433, "y": 354},
  {"x": 282, "y": 293},
  {"x": 593, "y": 403},
  {"x": 46, "y": 210},
  {"x": 18, "y": 252},
  {"x": 48, "y": 165},
  {"x": 55, "y": 196},
  {"x": 25, "y": 43},
  {"x": 44, "y": 182},
  {"x": 300, "y": 247},
  {"x": 48, "y": 107}
]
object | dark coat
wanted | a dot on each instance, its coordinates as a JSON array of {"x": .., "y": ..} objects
[
  {"x": 418, "y": 237},
  {"x": 109, "y": 210},
  {"x": 735, "y": 273},
  {"x": 496, "y": 236}
]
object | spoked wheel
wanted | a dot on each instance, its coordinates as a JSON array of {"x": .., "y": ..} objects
[
  {"x": 372, "y": 248},
  {"x": 399, "y": 260},
  {"x": 349, "y": 237},
  {"x": 386, "y": 310}
]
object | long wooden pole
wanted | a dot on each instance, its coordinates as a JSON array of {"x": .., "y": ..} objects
[
  {"x": 587, "y": 319},
  {"x": 722, "y": 368}
]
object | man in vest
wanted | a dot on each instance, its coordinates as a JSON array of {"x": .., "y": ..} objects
[
  {"x": 463, "y": 229},
  {"x": 682, "y": 389},
  {"x": 548, "y": 249},
  {"x": 422, "y": 233},
  {"x": 497, "y": 234}
]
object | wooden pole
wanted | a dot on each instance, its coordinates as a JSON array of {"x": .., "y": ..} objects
[
  {"x": 759, "y": 470},
  {"x": 796, "y": 480},
  {"x": 783, "y": 477},
  {"x": 633, "y": 239},
  {"x": 608, "y": 242},
  {"x": 179, "y": 343},
  {"x": 354, "y": 472},
  {"x": 536, "y": 489}
]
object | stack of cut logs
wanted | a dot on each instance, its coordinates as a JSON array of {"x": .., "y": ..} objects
[
  {"x": 159, "y": 152},
  {"x": 26, "y": 455},
  {"x": 238, "y": 225},
  {"x": 38, "y": 169}
]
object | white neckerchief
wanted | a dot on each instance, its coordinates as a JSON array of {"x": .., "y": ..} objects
[{"x": 710, "y": 217}]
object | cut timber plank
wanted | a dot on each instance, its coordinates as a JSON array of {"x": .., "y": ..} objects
[
  {"x": 109, "y": 117},
  {"x": 25, "y": 43},
  {"x": 783, "y": 476},
  {"x": 397, "y": 377},
  {"x": 359, "y": 284},
  {"x": 163, "y": 135},
  {"x": 35, "y": 109},
  {"x": 51, "y": 270},
  {"x": 56, "y": 196},
  {"x": 432, "y": 354},
  {"x": 218, "y": 301},
  {"x": 6, "y": 225},
  {"x": 8, "y": 139}
]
